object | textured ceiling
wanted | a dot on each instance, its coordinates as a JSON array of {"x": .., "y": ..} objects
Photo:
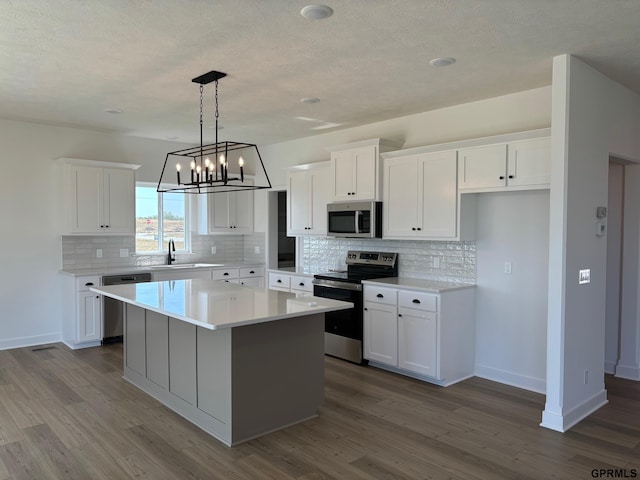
[{"x": 66, "y": 61}]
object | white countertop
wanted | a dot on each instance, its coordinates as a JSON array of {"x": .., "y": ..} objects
[
  {"x": 212, "y": 304},
  {"x": 81, "y": 272},
  {"x": 432, "y": 286}
]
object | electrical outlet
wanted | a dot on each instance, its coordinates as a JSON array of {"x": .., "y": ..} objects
[
  {"x": 507, "y": 268},
  {"x": 256, "y": 250},
  {"x": 124, "y": 252},
  {"x": 99, "y": 253},
  {"x": 436, "y": 262},
  {"x": 213, "y": 250}
]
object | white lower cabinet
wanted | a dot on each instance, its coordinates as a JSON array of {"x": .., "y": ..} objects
[
  {"x": 82, "y": 324},
  {"x": 252, "y": 276},
  {"x": 430, "y": 336}
]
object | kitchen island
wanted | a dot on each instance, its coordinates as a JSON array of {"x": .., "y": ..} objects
[{"x": 236, "y": 361}]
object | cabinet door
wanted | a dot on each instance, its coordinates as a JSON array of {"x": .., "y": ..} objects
[
  {"x": 320, "y": 185},
  {"x": 219, "y": 221},
  {"x": 482, "y": 167},
  {"x": 438, "y": 195},
  {"x": 242, "y": 210},
  {"x": 85, "y": 200},
  {"x": 257, "y": 282},
  {"x": 365, "y": 160},
  {"x": 400, "y": 195},
  {"x": 381, "y": 333},
  {"x": 529, "y": 163},
  {"x": 118, "y": 201},
  {"x": 299, "y": 203},
  {"x": 417, "y": 341},
  {"x": 343, "y": 168},
  {"x": 182, "y": 360},
  {"x": 89, "y": 317}
]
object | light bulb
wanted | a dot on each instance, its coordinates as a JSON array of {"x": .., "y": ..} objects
[
  {"x": 222, "y": 160},
  {"x": 207, "y": 162},
  {"x": 241, "y": 162},
  {"x": 178, "y": 167}
]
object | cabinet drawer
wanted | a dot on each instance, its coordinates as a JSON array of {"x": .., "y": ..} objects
[
  {"x": 380, "y": 295},
  {"x": 418, "y": 300},
  {"x": 224, "y": 274},
  {"x": 301, "y": 283},
  {"x": 246, "y": 272},
  {"x": 85, "y": 283},
  {"x": 279, "y": 281}
]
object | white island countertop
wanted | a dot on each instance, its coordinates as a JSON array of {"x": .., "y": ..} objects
[{"x": 214, "y": 305}]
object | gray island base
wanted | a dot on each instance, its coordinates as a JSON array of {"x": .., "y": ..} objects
[{"x": 260, "y": 368}]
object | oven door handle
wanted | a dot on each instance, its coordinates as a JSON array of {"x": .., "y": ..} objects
[{"x": 336, "y": 284}]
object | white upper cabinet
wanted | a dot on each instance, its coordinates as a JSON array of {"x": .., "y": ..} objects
[
  {"x": 529, "y": 163},
  {"x": 508, "y": 166},
  {"x": 307, "y": 197},
  {"x": 226, "y": 212},
  {"x": 421, "y": 196},
  {"x": 355, "y": 170},
  {"x": 100, "y": 200}
]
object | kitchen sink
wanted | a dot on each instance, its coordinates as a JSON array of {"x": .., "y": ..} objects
[{"x": 187, "y": 265}]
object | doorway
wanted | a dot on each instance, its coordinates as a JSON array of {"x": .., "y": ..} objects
[
  {"x": 615, "y": 229},
  {"x": 281, "y": 250}
]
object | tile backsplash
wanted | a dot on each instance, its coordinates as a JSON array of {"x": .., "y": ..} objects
[
  {"x": 446, "y": 261},
  {"x": 80, "y": 251}
]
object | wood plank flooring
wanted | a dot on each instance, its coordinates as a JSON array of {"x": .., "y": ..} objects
[{"x": 69, "y": 415}]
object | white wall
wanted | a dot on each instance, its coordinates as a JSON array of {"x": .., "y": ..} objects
[
  {"x": 592, "y": 118},
  {"x": 511, "y": 309},
  {"x": 31, "y": 216}
]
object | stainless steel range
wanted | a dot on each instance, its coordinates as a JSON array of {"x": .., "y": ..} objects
[{"x": 343, "y": 329}]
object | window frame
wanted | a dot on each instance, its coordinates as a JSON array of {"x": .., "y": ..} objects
[{"x": 187, "y": 220}]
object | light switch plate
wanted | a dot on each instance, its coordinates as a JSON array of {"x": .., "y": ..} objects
[
  {"x": 507, "y": 268},
  {"x": 257, "y": 250},
  {"x": 124, "y": 252},
  {"x": 213, "y": 250},
  {"x": 584, "y": 276}
]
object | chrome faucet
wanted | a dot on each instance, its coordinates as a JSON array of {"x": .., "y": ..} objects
[{"x": 171, "y": 257}]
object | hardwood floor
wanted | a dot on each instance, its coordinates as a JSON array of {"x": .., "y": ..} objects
[{"x": 69, "y": 415}]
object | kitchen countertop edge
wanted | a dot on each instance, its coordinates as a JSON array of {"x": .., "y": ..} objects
[
  {"x": 86, "y": 272},
  {"x": 431, "y": 286}
]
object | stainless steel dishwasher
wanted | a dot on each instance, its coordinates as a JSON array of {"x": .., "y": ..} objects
[{"x": 113, "y": 310}]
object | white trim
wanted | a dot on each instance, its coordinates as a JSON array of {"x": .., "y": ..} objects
[
  {"x": 630, "y": 372},
  {"x": 22, "y": 342},
  {"x": 525, "y": 382},
  {"x": 475, "y": 142},
  {"x": 97, "y": 163},
  {"x": 561, "y": 422},
  {"x": 609, "y": 367}
]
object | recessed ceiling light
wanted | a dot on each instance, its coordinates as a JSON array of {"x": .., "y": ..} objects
[
  {"x": 172, "y": 138},
  {"x": 310, "y": 100},
  {"x": 442, "y": 62},
  {"x": 316, "y": 12},
  {"x": 115, "y": 111}
]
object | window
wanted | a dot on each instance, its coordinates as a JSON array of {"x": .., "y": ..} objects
[{"x": 160, "y": 217}]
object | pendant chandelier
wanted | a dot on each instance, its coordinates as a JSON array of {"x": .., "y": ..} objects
[{"x": 207, "y": 167}]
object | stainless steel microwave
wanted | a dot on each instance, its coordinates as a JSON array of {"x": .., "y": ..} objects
[{"x": 354, "y": 219}]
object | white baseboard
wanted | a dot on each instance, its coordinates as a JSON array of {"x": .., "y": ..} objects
[
  {"x": 538, "y": 385},
  {"x": 30, "y": 341},
  {"x": 561, "y": 422},
  {"x": 628, "y": 372},
  {"x": 609, "y": 367}
]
